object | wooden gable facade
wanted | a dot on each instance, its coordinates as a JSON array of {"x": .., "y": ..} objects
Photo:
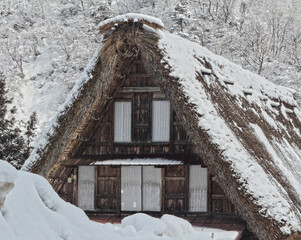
[{"x": 140, "y": 124}]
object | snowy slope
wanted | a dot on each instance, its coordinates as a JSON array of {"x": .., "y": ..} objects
[
  {"x": 34, "y": 211},
  {"x": 45, "y": 45}
]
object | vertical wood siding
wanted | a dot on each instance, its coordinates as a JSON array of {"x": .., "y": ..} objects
[
  {"x": 161, "y": 121},
  {"x": 86, "y": 187},
  {"x": 130, "y": 188},
  {"x": 175, "y": 194},
  {"x": 152, "y": 186},
  {"x": 122, "y": 121},
  {"x": 107, "y": 187},
  {"x": 198, "y": 182}
]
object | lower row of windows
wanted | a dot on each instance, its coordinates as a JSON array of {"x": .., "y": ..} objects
[{"x": 141, "y": 189}]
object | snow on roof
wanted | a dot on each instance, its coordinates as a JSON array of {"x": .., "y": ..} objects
[
  {"x": 136, "y": 17},
  {"x": 139, "y": 161},
  {"x": 182, "y": 58},
  {"x": 182, "y": 55}
]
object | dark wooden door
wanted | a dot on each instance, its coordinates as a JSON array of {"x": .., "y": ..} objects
[
  {"x": 176, "y": 189},
  {"x": 108, "y": 188}
]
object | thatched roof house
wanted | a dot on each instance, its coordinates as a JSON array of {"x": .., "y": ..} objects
[{"x": 246, "y": 129}]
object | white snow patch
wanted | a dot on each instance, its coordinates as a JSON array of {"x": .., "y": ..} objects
[
  {"x": 217, "y": 233},
  {"x": 274, "y": 104},
  {"x": 172, "y": 227},
  {"x": 145, "y": 223},
  {"x": 296, "y": 184},
  {"x": 284, "y": 111},
  {"x": 139, "y": 161},
  {"x": 269, "y": 119}
]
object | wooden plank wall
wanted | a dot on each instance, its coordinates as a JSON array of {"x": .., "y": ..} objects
[
  {"x": 68, "y": 192},
  {"x": 170, "y": 189},
  {"x": 175, "y": 189},
  {"x": 219, "y": 201},
  {"x": 141, "y": 91},
  {"x": 139, "y": 98},
  {"x": 108, "y": 188}
]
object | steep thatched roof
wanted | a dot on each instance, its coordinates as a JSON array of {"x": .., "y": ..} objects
[{"x": 247, "y": 129}]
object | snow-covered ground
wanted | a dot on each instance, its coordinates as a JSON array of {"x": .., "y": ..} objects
[{"x": 32, "y": 210}]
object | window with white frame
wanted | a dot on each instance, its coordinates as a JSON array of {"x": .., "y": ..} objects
[
  {"x": 122, "y": 121},
  {"x": 160, "y": 121}
]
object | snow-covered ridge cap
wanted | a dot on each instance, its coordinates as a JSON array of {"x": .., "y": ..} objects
[{"x": 134, "y": 17}]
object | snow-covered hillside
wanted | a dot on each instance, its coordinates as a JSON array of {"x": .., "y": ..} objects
[
  {"x": 45, "y": 45},
  {"x": 32, "y": 210}
]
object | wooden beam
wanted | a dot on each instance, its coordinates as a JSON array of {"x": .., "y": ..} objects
[
  {"x": 75, "y": 186},
  {"x": 95, "y": 188},
  {"x": 163, "y": 191},
  {"x": 118, "y": 189},
  {"x": 88, "y": 159},
  {"x": 209, "y": 193},
  {"x": 186, "y": 206}
]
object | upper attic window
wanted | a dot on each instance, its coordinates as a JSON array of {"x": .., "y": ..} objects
[
  {"x": 122, "y": 121},
  {"x": 142, "y": 121}
]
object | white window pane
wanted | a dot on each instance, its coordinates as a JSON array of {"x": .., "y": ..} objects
[
  {"x": 86, "y": 187},
  {"x": 152, "y": 187},
  {"x": 197, "y": 189},
  {"x": 161, "y": 121},
  {"x": 131, "y": 188},
  {"x": 122, "y": 121}
]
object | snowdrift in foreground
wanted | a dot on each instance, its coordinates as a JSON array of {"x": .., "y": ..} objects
[{"x": 33, "y": 211}]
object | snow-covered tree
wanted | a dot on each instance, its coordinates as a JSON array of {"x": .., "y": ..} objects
[
  {"x": 12, "y": 145},
  {"x": 30, "y": 132}
]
